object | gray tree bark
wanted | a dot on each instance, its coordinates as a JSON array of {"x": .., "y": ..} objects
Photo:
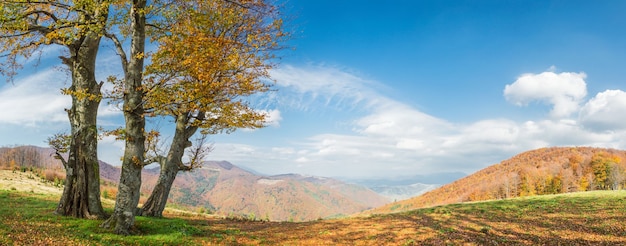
[
  {"x": 170, "y": 166},
  {"x": 81, "y": 195},
  {"x": 123, "y": 217}
]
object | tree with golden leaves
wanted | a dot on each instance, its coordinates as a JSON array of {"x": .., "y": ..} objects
[
  {"x": 215, "y": 54},
  {"x": 26, "y": 27},
  {"x": 211, "y": 55},
  {"x": 132, "y": 25}
]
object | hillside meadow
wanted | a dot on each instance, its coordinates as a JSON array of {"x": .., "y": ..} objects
[
  {"x": 583, "y": 218},
  {"x": 543, "y": 171}
]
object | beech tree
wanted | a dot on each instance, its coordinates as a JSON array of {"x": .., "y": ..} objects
[
  {"x": 133, "y": 26},
  {"x": 26, "y": 27},
  {"x": 214, "y": 55}
]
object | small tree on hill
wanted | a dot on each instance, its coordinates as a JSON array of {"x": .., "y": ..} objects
[{"x": 601, "y": 165}]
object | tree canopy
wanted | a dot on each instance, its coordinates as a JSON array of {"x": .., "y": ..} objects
[
  {"x": 213, "y": 56},
  {"x": 28, "y": 26}
]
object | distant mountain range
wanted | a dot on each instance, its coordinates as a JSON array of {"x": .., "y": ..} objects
[
  {"x": 401, "y": 188},
  {"x": 229, "y": 190},
  {"x": 402, "y": 192},
  {"x": 225, "y": 189}
]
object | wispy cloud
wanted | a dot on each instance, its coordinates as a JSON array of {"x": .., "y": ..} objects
[
  {"x": 34, "y": 99},
  {"x": 390, "y": 137},
  {"x": 273, "y": 117},
  {"x": 302, "y": 87}
]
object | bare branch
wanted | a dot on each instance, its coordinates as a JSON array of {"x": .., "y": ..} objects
[
  {"x": 197, "y": 154},
  {"x": 119, "y": 48},
  {"x": 155, "y": 159},
  {"x": 60, "y": 142}
]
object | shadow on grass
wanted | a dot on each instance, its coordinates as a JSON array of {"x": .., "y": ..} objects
[
  {"x": 28, "y": 219},
  {"x": 596, "y": 219},
  {"x": 549, "y": 220}
]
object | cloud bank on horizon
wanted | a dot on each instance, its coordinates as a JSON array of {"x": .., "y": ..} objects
[
  {"x": 387, "y": 137},
  {"x": 393, "y": 138}
]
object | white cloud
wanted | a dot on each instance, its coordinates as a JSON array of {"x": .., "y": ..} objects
[
  {"x": 564, "y": 91},
  {"x": 109, "y": 110},
  {"x": 485, "y": 135},
  {"x": 392, "y": 138},
  {"x": 110, "y": 150},
  {"x": 302, "y": 159},
  {"x": 605, "y": 112},
  {"x": 410, "y": 143},
  {"x": 329, "y": 86},
  {"x": 35, "y": 99},
  {"x": 273, "y": 117},
  {"x": 283, "y": 150},
  {"x": 396, "y": 119}
]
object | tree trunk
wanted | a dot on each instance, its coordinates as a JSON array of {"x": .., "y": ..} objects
[
  {"x": 81, "y": 195},
  {"x": 158, "y": 198},
  {"x": 169, "y": 168},
  {"x": 123, "y": 217},
  {"x": 130, "y": 180},
  {"x": 128, "y": 192}
]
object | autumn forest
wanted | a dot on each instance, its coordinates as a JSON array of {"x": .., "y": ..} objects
[{"x": 543, "y": 171}]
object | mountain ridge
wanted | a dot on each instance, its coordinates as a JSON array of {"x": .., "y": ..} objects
[{"x": 223, "y": 188}]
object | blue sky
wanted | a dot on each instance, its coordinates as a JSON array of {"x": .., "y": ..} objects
[{"x": 401, "y": 88}]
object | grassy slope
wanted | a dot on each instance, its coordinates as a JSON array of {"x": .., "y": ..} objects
[
  {"x": 593, "y": 218},
  {"x": 535, "y": 169}
]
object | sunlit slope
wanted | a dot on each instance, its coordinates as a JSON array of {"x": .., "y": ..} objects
[
  {"x": 581, "y": 218},
  {"x": 542, "y": 171}
]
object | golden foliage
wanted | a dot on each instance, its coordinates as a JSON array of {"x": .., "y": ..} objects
[
  {"x": 538, "y": 172},
  {"x": 214, "y": 55},
  {"x": 27, "y": 26}
]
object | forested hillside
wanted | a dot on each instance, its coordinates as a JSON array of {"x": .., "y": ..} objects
[
  {"x": 32, "y": 158},
  {"x": 537, "y": 172},
  {"x": 28, "y": 156},
  {"x": 226, "y": 189}
]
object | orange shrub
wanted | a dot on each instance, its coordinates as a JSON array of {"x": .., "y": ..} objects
[{"x": 53, "y": 175}]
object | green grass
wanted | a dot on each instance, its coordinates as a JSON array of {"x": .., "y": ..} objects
[
  {"x": 25, "y": 215},
  {"x": 589, "y": 218}
]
